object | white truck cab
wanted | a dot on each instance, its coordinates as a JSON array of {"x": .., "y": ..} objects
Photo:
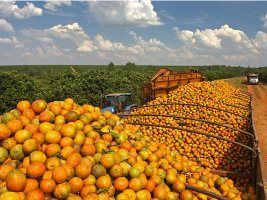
[{"x": 253, "y": 79}]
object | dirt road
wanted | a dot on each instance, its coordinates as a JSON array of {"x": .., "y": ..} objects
[{"x": 259, "y": 103}]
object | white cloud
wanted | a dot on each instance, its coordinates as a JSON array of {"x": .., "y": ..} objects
[
  {"x": 46, "y": 40},
  {"x": 49, "y": 51},
  {"x": 207, "y": 38},
  {"x": 71, "y": 43},
  {"x": 106, "y": 45},
  {"x": 70, "y": 33},
  {"x": 151, "y": 46},
  {"x": 87, "y": 46},
  {"x": 260, "y": 41},
  {"x": 264, "y": 21},
  {"x": 133, "y": 12},
  {"x": 222, "y": 38},
  {"x": 73, "y": 32},
  {"x": 10, "y": 8},
  {"x": 13, "y": 41},
  {"x": 53, "y": 5},
  {"x": 185, "y": 35},
  {"x": 222, "y": 46},
  {"x": 5, "y": 26}
]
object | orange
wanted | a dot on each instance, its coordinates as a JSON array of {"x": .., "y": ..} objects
[
  {"x": 107, "y": 137},
  {"x": 69, "y": 101},
  {"x": 130, "y": 193},
  {"x": 150, "y": 186},
  {"x": 121, "y": 183},
  {"x": 59, "y": 120},
  {"x": 116, "y": 171},
  {"x": 56, "y": 108},
  {"x": 66, "y": 141},
  {"x": 52, "y": 137},
  {"x": 68, "y": 131},
  {"x": 37, "y": 156},
  {"x": 62, "y": 190},
  {"x": 24, "y": 120},
  {"x": 83, "y": 170},
  {"x": 71, "y": 116},
  {"x": 186, "y": 195},
  {"x": 30, "y": 145},
  {"x": 79, "y": 138},
  {"x": 8, "y": 116},
  {"x": 47, "y": 185},
  {"x": 4, "y": 170},
  {"x": 45, "y": 127},
  {"x": 5, "y": 131},
  {"x": 143, "y": 194},
  {"x": 107, "y": 160},
  {"x": 31, "y": 184},
  {"x": 9, "y": 143},
  {"x": 10, "y": 196},
  {"x": 87, "y": 128},
  {"x": 39, "y": 106},
  {"x": 160, "y": 192},
  {"x": 36, "y": 194},
  {"x": 16, "y": 180},
  {"x": 52, "y": 162},
  {"x": 67, "y": 151},
  {"x": 32, "y": 128},
  {"x": 85, "y": 119},
  {"x": 52, "y": 150},
  {"x": 98, "y": 170},
  {"x": 16, "y": 152},
  {"x": 178, "y": 186},
  {"x": 29, "y": 113},
  {"x": 22, "y": 135},
  {"x": 46, "y": 116},
  {"x": 14, "y": 125},
  {"x": 74, "y": 159},
  {"x": 103, "y": 182},
  {"x": 59, "y": 174},
  {"x": 39, "y": 137},
  {"x": 87, "y": 190},
  {"x": 70, "y": 171},
  {"x": 88, "y": 150},
  {"x": 135, "y": 184},
  {"x": 35, "y": 170},
  {"x": 3, "y": 155},
  {"x": 23, "y": 105},
  {"x": 79, "y": 125},
  {"x": 76, "y": 184}
]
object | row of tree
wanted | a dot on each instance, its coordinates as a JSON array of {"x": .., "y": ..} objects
[{"x": 87, "y": 83}]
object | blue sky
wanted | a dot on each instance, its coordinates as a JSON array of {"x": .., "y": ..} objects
[{"x": 145, "y": 32}]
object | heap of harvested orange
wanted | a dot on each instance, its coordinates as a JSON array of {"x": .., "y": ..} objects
[
  {"x": 66, "y": 151},
  {"x": 215, "y": 101}
]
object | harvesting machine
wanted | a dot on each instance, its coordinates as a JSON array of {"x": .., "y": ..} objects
[{"x": 166, "y": 80}]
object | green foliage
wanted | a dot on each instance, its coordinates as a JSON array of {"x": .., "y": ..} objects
[
  {"x": 89, "y": 82},
  {"x": 130, "y": 64}
]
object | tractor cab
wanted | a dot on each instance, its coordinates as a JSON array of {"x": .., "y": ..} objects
[{"x": 117, "y": 102}]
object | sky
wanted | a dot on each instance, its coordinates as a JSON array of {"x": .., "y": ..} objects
[{"x": 144, "y": 32}]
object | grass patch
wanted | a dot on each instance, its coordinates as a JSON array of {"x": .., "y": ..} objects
[{"x": 238, "y": 82}]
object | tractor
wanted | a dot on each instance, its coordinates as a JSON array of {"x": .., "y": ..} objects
[{"x": 117, "y": 102}]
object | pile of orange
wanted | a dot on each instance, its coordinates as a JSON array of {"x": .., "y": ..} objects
[
  {"x": 215, "y": 101},
  {"x": 61, "y": 150}
]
